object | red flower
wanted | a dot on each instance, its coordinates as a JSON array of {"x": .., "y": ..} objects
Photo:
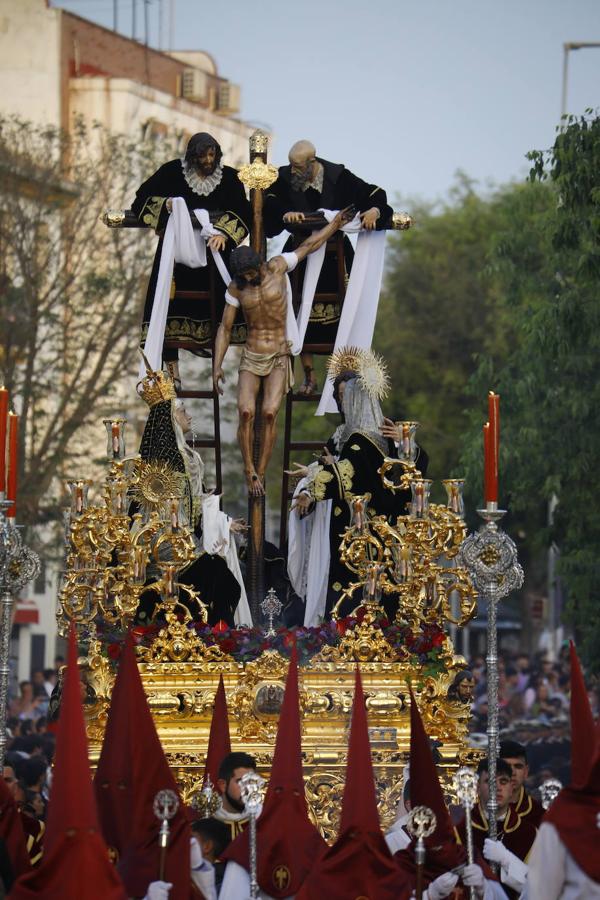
[
  {"x": 220, "y": 626},
  {"x": 342, "y": 625},
  {"x": 438, "y": 639},
  {"x": 227, "y": 645},
  {"x": 114, "y": 651}
]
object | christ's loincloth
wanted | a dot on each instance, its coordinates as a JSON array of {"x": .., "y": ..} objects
[{"x": 263, "y": 364}]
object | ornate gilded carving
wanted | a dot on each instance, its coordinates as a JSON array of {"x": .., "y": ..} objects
[{"x": 258, "y": 175}]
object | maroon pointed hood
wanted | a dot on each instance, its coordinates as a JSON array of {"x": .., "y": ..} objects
[
  {"x": 131, "y": 770},
  {"x": 288, "y": 842},
  {"x": 359, "y": 864},
  {"x": 219, "y": 741},
  {"x": 75, "y": 864}
]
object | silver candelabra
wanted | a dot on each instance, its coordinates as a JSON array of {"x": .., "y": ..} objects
[
  {"x": 18, "y": 566},
  {"x": 490, "y": 555}
]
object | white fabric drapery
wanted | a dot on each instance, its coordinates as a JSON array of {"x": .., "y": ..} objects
[
  {"x": 359, "y": 311},
  {"x": 217, "y": 539},
  {"x": 183, "y": 244},
  {"x": 309, "y": 554}
]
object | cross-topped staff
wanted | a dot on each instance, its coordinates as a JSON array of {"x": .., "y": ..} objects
[
  {"x": 420, "y": 824},
  {"x": 465, "y": 785},
  {"x": 549, "y": 791},
  {"x": 251, "y": 785},
  {"x": 166, "y": 804}
]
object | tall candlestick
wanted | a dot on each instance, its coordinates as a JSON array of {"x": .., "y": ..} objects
[
  {"x": 494, "y": 420},
  {"x": 13, "y": 462},
  {"x": 3, "y": 427}
]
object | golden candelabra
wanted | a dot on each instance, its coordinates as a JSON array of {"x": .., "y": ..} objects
[
  {"x": 114, "y": 553},
  {"x": 411, "y": 559}
]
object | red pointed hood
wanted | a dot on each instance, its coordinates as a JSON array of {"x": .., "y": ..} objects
[
  {"x": 288, "y": 842},
  {"x": 575, "y": 812},
  {"x": 131, "y": 770},
  {"x": 583, "y": 736},
  {"x": 359, "y": 863},
  {"x": 219, "y": 742},
  {"x": 443, "y": 850},
  {"x": 75, "y": 864},
  {"x": 425, "y": 788}
]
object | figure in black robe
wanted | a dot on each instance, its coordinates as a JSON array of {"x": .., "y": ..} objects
[
  {"x": 203, "y": 184},
  {"x": 308, "y": 184},
  {"x": 209, "y": 573},
  {"x": 355, "y": 472}
]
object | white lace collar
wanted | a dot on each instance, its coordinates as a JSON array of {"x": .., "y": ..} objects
[{"x": 200, "y": 185}]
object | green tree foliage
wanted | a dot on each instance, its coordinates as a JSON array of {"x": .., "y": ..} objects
[
  {"x": 70, "y": 294},
  {"x": 444, "y": 311},
  {"x": 550, "y": 377}
]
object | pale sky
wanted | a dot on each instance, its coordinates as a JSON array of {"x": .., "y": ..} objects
[{"x": 403, "y": 92}]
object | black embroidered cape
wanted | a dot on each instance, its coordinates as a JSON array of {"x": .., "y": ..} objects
[{"x": 188, "y": 319}]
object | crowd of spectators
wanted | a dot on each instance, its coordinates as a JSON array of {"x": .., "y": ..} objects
[
  {"x": 533, "y": 694},
  {"x": 30, "y": 743}
]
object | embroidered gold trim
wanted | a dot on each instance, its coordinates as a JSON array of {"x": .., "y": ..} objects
[
  {"x": 346, "y": 474},
  {"x": 151, "y": 210},
  {"x": 321, "y": 479},
  {"x": 325, "y": 313},
  {"x": 337, "y": 511},
  {"x": 232, "y": 226}
]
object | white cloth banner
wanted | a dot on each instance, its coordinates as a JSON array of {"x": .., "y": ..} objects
[
  {"x": 218, "y": 540},
  {"x": 357, "y": 322},
  {"x": 184, "y": 244},
  {"x": 309, "y": 555}
]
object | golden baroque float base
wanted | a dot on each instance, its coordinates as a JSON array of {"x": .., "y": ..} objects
[{"x": 181, "y": 674}]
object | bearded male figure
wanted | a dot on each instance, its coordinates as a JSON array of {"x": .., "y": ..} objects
[
  {"x": 308, "y": 184},
  {"x": 261, "y": 291},
  {"x": 203, "y": 182}
]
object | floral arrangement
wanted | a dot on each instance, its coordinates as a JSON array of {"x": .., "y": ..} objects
[{"x": 424, "y": 648}]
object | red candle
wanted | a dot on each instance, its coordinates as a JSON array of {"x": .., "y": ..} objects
[
  {"x": 3, "y": 427},
  {"x": 494, "y": 420},
  {"x": 486, "y": 462},
  {"x": 13, "y": 462}
]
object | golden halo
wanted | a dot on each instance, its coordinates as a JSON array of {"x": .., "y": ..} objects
[
  {"x": 370, "y": 369},
  {"x": 346, "y": 359}
]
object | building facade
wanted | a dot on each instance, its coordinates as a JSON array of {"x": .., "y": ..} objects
[{"x": 56, "y": 68}]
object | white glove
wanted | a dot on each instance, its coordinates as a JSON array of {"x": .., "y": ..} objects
[
  {"x": 496, "y": 852},
  {"x": 472, "y": 876},
  {"x": 158, "y": 890},
  {"x": 196, "y": 858},
  {"x": 442, "y": 886}
]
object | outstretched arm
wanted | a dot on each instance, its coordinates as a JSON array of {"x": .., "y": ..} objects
[
  {"x": 221, "y": 344},
  {"x": 315, "y": 240}
]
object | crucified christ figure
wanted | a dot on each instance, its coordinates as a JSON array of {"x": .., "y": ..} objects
[{"x": 261, "y": 291}]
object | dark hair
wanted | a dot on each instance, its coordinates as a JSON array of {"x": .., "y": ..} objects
[
  {"x": 512, "y": 750},
  {"x": 242, "y": 260},
  {"x": 502, "y": 767},
  {"x": 215, "y": 831},
  {"x": 48, "y": 673},
  {"x": 233, "y": 761},
  {"x": 200, "y": 142},
  {"x": 32, "y": 770}
]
